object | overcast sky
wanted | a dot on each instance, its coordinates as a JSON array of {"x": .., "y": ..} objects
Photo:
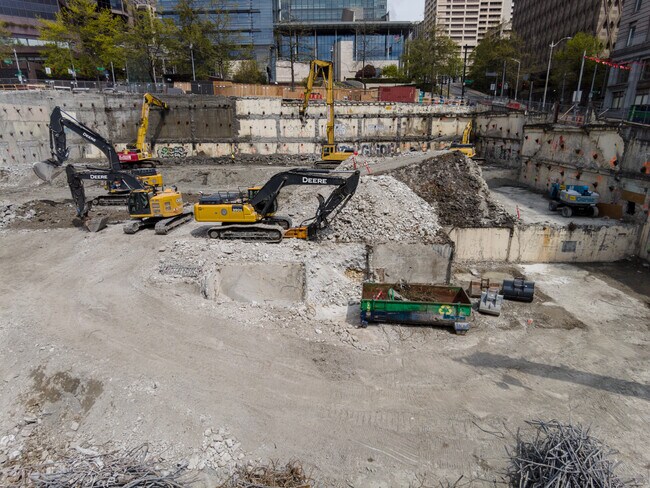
[{"x": 406, "y": 9}]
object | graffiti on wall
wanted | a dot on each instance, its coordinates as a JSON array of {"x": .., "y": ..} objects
[
  {"x": 172, "y": 152},
  {"x": 377, "y": 149}
]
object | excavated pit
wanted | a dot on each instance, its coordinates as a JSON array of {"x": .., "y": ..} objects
[{"x": 261, "y": 282}]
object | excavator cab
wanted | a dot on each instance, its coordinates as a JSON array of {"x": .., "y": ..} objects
[{"x": 139, "y": 202}]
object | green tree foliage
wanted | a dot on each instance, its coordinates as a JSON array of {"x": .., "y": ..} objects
[
  {"x": 206, "y": 36},
  {"x": 489, "y": 57},
  {"x": 5, "y": 42},
  {"x": 565, "y": 70},
  {"x": 150, "y": 39},
  {"x": 249, "y": 72},
  {"x": 431, "y": 56},
  {"x": 391, "y": 71},
  {"x": 83, "y": 35}
]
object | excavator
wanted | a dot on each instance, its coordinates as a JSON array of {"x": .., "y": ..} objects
[
  {"x": 117, "y": 191},
  {"x": 147, "y": 204},
  {"x": 251, "y": 215},
  {"x": 325, "y": 69},
  {"x": 465, "y": 146},
  {"x": 139, "y": 155}
]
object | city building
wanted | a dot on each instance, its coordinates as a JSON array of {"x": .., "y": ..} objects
[
  {"x": 539, "y": 24},
  {"x": 249, "y": 22},
  {"x": 21, "y": 18},
  {"x": 467, "y": 21},
  {"x": 351, "y": 33},
  {"x": 630, "y": 87},
  {"x": 331, "y": 10}
]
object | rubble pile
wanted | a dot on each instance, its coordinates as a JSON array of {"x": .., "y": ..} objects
[
  {"x": 219, "y": 451},
  {"x": 453, "y": 183},
  {"x": 7, "y": 214},
  {"x": 382, "y": 210}
]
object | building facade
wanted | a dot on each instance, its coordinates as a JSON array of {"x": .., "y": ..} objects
[
  {"x": 628, "y": 88},
  {"x": 350, "y": 45},
  {"x": 331, "y": 10},
  {"x": 467, "y": 21},
  {"x": 21, "y": 18},
  {"x": 250, "y": 22},
  {"x": 541, "y": 23}
]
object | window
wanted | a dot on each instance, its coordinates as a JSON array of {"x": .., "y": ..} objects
[
  {"x": 637, "y": 5},
  {"x": 631, "y": 33},
  {"x": 617, "y": 99}
]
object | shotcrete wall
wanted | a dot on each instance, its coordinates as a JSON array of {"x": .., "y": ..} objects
[{"x": 217, "y": 126}]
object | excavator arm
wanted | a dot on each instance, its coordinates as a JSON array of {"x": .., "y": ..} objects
[
  {"x": 345, "y": 181},
  {"x": 318, "y": 69},
  {"x": 75, "y": 182},
  {"x": 148, "y": 101}
]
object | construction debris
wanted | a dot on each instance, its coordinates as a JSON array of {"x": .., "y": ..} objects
[
  {"x": 273, "y": 475},
  {"x": 382, "y": 210},
  {"x": 87, "y": 468},
  {"x": 562, "y": 455},
  {"x": 454, "y": 185}
]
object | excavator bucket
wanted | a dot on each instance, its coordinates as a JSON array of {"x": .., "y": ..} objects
[{"x": 46, "y": 170}]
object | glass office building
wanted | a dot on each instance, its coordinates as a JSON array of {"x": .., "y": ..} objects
[
  {"x": 331, "y": 10},
  {"x": 249, "y": 22},
  {"x": 30, "y": 9}
]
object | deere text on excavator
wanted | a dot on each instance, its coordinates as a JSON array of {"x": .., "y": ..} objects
[
  {"x": 139, "y": 155},
  {"x": 324, "y": 69},
  {"x": 251, "y": 216},
  {"x": 138, "y": 188}
]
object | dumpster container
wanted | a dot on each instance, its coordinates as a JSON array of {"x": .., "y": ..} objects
[{"x": 416, "y": 304}]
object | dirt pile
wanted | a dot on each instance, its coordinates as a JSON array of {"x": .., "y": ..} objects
[
  {"x": 454, "y": 184},
  {"x": 382, "y": 210}
]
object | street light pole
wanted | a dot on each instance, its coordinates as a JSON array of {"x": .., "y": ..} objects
[
  {"x": 579, "y": 90},
  {"x": 518, "y": 70},
  {"x": 462, "y": 90},
  {"x": 192, "y": 55},
  {"x": 548, "y": 70}
]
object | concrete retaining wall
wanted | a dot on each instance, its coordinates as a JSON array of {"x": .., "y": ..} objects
[
  {"x": 218, "y": 126},
  {"x": 545, "y": 244},
  {"x": 411, "y": 262}
]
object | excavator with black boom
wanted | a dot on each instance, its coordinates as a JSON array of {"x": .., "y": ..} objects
[
  {"x": 251, "y": 216},
  {"x": 138, "y": 189},
  {"x": 117, "y": 191}
]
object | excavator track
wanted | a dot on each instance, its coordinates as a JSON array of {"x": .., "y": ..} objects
[
  {"x": 248, "y": 232},
  {"x": 163, "y": 226}
]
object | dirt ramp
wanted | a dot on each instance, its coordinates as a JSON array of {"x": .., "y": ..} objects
[{"x": 260, "y": 282}]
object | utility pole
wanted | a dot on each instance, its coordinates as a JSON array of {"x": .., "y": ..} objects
[
  {"x": 192, "y": 55},
  {"x": 548, "y": 70},
  {"x": 518, "y": 70},
  {"x": 462, "y": 92},
  {"x": 19, "y": 73},
  {"x": 503, "y": 78},
  {"x": 113, "y": 72},
  {"x": 578, "y": 95}
]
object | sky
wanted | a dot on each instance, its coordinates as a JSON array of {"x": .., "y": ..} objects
[{"x": 406, "y": 9}]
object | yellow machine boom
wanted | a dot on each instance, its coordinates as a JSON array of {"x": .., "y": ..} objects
[
  {"x": 324, "y": 69},
  {"x": 140, "y": 150}
]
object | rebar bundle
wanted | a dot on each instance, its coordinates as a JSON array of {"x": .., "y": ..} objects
[
  {"x": 273, "y": 475},
  {"x": 86, "y": 469},
  {"x": 562, "y": 456}
]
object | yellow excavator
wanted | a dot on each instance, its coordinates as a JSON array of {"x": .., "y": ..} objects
[
  {"x": 465, "y": 146},
  {"x": 139, "y": 188},
  {"x": 252, "y": 215},
  {"x": 324, "y": 69},
  {"x": 139, "y": 155}
]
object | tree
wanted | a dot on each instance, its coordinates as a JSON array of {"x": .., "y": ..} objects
[
  {"x": 366, "y": 48},
  {"x": 5, "y": 42},
  {"x": 249, "y": 72},
  {"x": 567, "y": 62},
  {"x": 150, "y": 39},
  {"x": 83, "y": 35},
  {"x": 294, "y": 48},
  {"x": 204, "y": 36},
  {"x": 489, "y": 57},
  {"x": 430, "y": 56},
  {"x": 391, "y": 71}
]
